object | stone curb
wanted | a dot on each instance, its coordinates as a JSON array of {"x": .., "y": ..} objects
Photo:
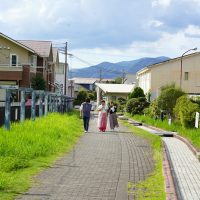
[{"x": 170, "y": 188}]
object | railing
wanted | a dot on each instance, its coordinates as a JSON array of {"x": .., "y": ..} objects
[{"x": 38, "y": 104}]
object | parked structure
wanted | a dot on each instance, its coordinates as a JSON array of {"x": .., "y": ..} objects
[
  {"x": 111, "y": 92},
  {"x": 153, "y": 77}
]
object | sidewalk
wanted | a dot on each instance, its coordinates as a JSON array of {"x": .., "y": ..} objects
[
  {"x": 185, "y": 167},
  {"x": 99, "y": 167}
]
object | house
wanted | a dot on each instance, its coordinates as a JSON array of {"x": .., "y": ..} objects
[
  {"x": 152, "y": 78},
  {"x": 111, "y": 92},
  {"x": 45, "y": 65},
  {"x": 18, "y": 64},
  {"x": 87, "y": 84}
]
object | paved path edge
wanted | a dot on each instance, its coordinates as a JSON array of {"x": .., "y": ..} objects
[
  {"x": 195, "y": 151},
  {"x": 169, "y": 176}
]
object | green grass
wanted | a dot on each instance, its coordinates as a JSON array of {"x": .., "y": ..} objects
[
  {"x": 193, "y": 135},
  {"x": 151, "y": 188},
  {"x": 31, "y": 146}
]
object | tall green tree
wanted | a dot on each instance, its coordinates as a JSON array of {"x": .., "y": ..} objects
[
  {"x": 137, "y": 92},
  {"x": 38, "y": 82}
]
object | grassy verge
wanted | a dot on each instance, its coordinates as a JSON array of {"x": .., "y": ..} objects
[
  {"x": 153, "y": 187},
  {"x": 193, "y": 135},
  {"x": 31, "y": 146}
]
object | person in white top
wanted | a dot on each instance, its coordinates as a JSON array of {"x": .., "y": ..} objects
[{"x": 102, "y": 117}]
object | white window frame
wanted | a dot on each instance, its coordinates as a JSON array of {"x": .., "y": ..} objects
[{"x": 11, "y": 60}]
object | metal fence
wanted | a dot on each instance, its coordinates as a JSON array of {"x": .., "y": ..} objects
[{"x": 26, "y": 103}]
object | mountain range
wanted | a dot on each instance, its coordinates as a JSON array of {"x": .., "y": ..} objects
[{"x": 113, "y": 70}]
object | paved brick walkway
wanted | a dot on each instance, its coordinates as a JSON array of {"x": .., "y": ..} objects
[
  {"x": 99, "y": 167},
  {"x": 186, "y": 169}
]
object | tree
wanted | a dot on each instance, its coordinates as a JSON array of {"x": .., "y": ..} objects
[
  {"x": 167, "y": 99},
  {"x": 118, "y": 80},
  {"x": 137, "y": 92},
  {"x": 38, "y": 82},
  {"x": 81, "y": 97}
]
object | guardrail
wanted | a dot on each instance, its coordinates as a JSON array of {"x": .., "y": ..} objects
[{"x": 37, "y": 104}]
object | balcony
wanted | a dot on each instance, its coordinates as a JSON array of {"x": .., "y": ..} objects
[{"x": 8, "y": 67}]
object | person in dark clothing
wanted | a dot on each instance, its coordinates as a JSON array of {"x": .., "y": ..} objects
[
  {"x": 85, "y": 110},
  {"x": 113, "y": 116}
]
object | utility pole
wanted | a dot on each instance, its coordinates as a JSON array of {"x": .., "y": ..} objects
[
  {"x": 100, "y": 75},
  {"x": 66, "y": 65},
  {"x": 123, "y": 76}
]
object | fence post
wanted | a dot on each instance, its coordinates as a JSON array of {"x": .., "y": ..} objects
[
  {"x": 33, "y": 106},
  {"x": 22, "y": 106},
  {"x": 40, "y": 105},
  {"x": 7, "y": 110},
  {"x": 46, "y": 104}
]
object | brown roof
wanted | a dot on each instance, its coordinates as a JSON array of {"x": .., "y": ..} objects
[
  {"x": 17, "y": 42},
  {"x": 42, "y": 48}
]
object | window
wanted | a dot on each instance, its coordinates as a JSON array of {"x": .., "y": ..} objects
[
  {"x": 186, "y": 76},
  {"x": 13, "y": 60},
  {"x": 34, "y": 60}
]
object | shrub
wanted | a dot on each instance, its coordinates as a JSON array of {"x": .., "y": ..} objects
[
  {"x": 153, "y": 110},
  {"x": 137, "y": 105},
  {"x": 121, "y": 104},
  {"x": 185, "y": 111},
  {"x": 167, "y": 99}
]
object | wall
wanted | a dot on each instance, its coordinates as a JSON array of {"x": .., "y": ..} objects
[
  {"x": 23, "y": 54},
  {"x": 169, "y": 72}
]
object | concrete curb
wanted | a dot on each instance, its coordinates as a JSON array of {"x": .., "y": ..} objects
[{"x": 170, "y": 188}]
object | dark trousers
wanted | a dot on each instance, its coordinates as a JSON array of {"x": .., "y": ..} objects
[{"x": 86, "y": 122}]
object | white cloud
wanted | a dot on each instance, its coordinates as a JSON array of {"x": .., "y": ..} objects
[
  {"x": 171, "y": 45},
  {"x": 193, "y": 30},
  {"x": 155, "y": 23},
  {"x": 162, "y": 3}
]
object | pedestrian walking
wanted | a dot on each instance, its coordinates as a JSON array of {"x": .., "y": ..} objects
[
  {"x": 113, "y": 116},
  {"x": 85, "y": 110},
  {"x": 102, "y": 116}
]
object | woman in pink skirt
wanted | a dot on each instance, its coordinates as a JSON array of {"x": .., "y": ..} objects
[{"x": 102, "y": 117}]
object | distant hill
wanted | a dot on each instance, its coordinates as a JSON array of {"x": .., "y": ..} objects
[{"x": 113, "y": 70}]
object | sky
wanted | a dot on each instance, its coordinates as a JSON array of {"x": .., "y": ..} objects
[{"x": 106, "y": 30}]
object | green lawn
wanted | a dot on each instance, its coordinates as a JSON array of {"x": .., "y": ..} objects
[
  {"x": 31, "y": 146},
  {"x": 193, "y": 135},
  {"x": 153, "y": 187}
]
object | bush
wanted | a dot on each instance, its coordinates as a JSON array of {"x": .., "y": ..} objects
[
  {"x": 137, "y": 92},
  {"x": 185, "y": 111},
  {"x": 167, "y": 99},
  {"x": 153, "y": 110},
  {"x": 137, "y": 105},
  {"x": 121, "y": 104}
]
